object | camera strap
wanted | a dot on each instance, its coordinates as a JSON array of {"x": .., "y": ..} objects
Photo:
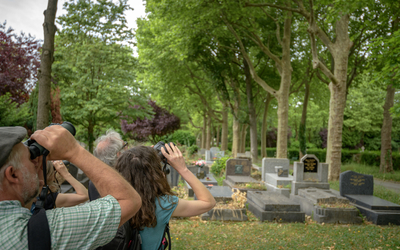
[{"x": 38, "y": 225}]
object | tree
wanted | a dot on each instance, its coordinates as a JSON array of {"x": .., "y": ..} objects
[
  {"x": 162, "y": 123},
  {"x": 47, "y": 58},
  {"x": 19, "y": 61},
  {"x": 95, "y": 71}
]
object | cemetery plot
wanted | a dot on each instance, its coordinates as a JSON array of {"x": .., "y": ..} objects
[
  {"x": 238, "y": 173},
  {"x": 359, "y": 188},
  {"x": 310, "y": 188},
  {"x": 208, "y": 181},
  {"x": 213, "y": 154},
  {"x": 272, "y": 206},
  {"x": 228, "y": 208},
  {"x": 275, "y": 175}
]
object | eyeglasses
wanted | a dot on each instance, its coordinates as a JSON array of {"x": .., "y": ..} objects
[{"x": 125, "y": 145}]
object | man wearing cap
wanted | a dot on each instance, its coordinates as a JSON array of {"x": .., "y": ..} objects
[{"x": 81, "y": 227}]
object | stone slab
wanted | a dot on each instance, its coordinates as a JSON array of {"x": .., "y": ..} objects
[
  {"x": 327, "y": 215},
  {"x": 240, "y": 179},
  {"x": 220, "y": 193},
  {"x": 211, "y": 182},
  {"x": 225, "y": 215},
  {"x": 380, "y": 217},
  {"x": 271, "y": 201},
  {"x": 279, "y": 216},
  {"x": 298, "y": 185},
  {"x": 283, "y": 191},
  {"x": 316, "y": 195},
  {"x": 238, "y": 167},
  {"x": 275, "y": 180},
  {"x": 372, "y": 202},
  {"x": 351, "y": 182}
]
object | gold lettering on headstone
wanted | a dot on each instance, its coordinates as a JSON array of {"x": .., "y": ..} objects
[
  {"x": 357, "y": 180},
  {"x": 310, "y": 164},
  {"x": 280, "y": 172}
]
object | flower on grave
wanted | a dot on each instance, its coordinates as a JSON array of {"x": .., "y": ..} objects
[
  {"x": 200, "y": 163},
  {"x": 214, "y": 158}
]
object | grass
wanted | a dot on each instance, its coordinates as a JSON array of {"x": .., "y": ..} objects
[{"x": 192, "y": 233}]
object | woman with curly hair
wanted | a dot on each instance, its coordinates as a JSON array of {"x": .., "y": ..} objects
[{"x": 141, "y": 166}]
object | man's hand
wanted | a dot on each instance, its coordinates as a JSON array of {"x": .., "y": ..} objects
[{"x": 58, "y": 141}]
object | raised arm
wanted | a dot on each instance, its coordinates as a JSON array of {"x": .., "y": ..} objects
[
  {"x": 106, "y": 179},
  {"x": 68, "y": 200},
  {"x": 205, "y": 200}
]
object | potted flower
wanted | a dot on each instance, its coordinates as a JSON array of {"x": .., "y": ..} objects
[{"x": 200, "y": 164}]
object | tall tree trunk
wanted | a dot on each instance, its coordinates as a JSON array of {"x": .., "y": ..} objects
[
  {"x": 302, "y": 132},
  {"x": 213, "y": 136},
  {"x": 283, "y": 93},
  {"x": 243, "y": 134},
  {"x": 252, "y": 113},
  {"x": 208, "y": 135},
  {"x": 264, "y": 126},
  {"x": 90, "y": 135},
  {"x": 224, "y": 132},
  {"x": 340, "y": 52},
  {"x": 203, "y": 132},
  {"x": 46, "y": 61},
  {"x": 386, "y": 165},
  {"x": 235, "y": 130},
  {"x": 218, "y": 136}
]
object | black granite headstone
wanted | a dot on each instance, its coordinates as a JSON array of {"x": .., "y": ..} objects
[
  {"x": 310, "y": 165},
  {"x": 351, "y": 182}
]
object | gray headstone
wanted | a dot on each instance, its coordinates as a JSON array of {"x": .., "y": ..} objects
[
  {"x": 351, "y": 182},
  {"x": 214, "y": 149},
  {"x": 220, "y": 193},
  {"x": 238, "y": 167},
  {"x": 268, "y": 165},
  {"x": 208, "y": 156}
]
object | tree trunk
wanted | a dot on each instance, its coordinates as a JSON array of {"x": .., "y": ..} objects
[
  {"x": 203, "y": 132},
  {"x": 386, "y": 165},
  {"x": 340, "y": 52},
  {"x": 208, "y": 135},
  {"x": 283, "y": 93},
  {"x": 218, "y": 137},
  {"x": 224, "y": 132},
  {"x": 46, "y": 61},
  {"x": 243, "y": 134},
  {"x": 90, "y": 135},
  {"x": 252, "y": 113},
  {"x": 302, "y": 130},
  {"x": 264, "y": 126},
  {"x": 213, "y": 136}
]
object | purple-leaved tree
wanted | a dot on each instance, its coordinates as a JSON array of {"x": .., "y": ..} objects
[{"x": 162, "y": 123}]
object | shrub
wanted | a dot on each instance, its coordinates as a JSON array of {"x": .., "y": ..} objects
[
  {"x": 193, "y": 149},
  {"x": 218, "y": 167}
]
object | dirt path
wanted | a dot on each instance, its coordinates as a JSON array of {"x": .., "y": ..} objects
[{"x": 394, "y": 186}]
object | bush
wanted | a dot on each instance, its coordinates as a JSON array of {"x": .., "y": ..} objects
[
  {"x": 218, "y": 167},
  {"x": 193, "y": 149}
]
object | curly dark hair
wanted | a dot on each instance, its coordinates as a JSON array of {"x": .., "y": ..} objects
[{"x": 141, "y": 167}]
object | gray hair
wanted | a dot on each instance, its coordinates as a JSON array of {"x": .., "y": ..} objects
[
  {"x": 108, "y": 146},
  {"x": 14, "y": 159}
]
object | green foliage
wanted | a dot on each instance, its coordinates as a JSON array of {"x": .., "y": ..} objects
[
  {"x": 11, "y": 113},
  {"x": 218, "y": 167},
  {"x": 193, "y": 149},
  {"x": 183, "y": 137}
]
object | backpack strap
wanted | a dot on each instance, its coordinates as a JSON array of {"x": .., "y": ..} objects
[
  {"x": 39, "y": 231},
  {"x": 166, "y": 242}
]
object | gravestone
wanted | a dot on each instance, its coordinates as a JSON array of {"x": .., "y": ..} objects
[
  {"x": 213, "y": 154},
  {"x": 309, "y": 172},
  {"x": 225, "y": 214},
  {"x": 237, "y": 172},
  {"x": 272, "y": 206},
  {"x": 275, "y": 175},
  {"x": 208, "y": 181},
  {"x": 220, "y": 193},
  {"x": 359, "y": 189}
]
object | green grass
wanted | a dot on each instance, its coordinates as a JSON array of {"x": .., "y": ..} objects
[
  {"x": 371, "y": 170},
  {"x": 193, "y": 233}
]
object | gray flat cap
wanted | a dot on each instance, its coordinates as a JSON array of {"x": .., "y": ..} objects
[{"x": 9, "y": 137}]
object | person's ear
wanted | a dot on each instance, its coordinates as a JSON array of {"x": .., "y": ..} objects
[{"x": 11, "y": 174}]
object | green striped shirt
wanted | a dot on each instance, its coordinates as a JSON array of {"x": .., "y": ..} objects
[{"x": 85, "y": 226}]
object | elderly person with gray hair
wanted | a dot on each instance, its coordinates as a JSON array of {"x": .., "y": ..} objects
[{"x": 108, "y": 148}]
